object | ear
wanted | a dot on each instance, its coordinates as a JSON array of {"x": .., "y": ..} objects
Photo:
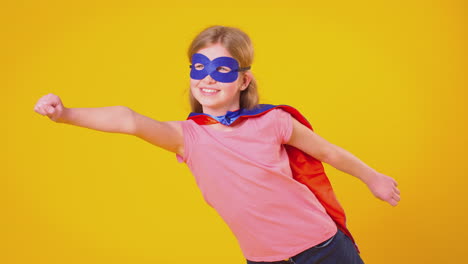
[{"x": 246, "y": 78}]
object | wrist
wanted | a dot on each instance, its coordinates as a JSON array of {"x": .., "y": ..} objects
[
  {"x": 64, "y": 116},
  {"x": 369, "y": 177}
]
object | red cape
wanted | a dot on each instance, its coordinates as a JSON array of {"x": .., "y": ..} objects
[{"x": 305, "y": 168}]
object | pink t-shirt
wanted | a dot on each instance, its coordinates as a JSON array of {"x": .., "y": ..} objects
[{"x": 244, "y": 174}]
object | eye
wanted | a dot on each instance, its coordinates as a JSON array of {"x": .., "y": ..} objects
[
  {"x": 223, "y": 69},
  {"x": 199, "y": 66}
]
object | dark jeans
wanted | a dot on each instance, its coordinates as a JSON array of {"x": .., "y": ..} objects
[{"x": 337, "y": 250}]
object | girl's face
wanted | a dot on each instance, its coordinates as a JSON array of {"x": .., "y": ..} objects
[{"x": 216, "y": 97}]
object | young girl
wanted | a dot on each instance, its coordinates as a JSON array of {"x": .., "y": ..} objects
[{"x": 257, "y": 165}]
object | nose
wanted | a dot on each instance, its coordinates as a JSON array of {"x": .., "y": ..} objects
[{"x": 208, "y": 79}]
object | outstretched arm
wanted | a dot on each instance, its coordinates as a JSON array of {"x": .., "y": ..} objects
[
  {"x": 382, "y": 186},
  {"x": 114, "y": 119}
]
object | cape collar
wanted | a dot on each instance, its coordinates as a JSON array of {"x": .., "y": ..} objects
[{"x": 230, "y": 117}]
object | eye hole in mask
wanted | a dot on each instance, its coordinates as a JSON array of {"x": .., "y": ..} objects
[
  {"x": 221, "y": 69},
  {"x": 198, "y": 66}
]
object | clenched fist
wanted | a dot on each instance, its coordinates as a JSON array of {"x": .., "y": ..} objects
[{"x": 50, "y": 105}]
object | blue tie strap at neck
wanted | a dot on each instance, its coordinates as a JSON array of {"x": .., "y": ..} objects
[{"x": 228, "y": 118}]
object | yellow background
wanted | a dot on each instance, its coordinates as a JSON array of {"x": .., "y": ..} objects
[{"x": 385, "y": 80}]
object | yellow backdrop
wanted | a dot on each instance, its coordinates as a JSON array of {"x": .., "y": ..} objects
[{"x": 385, "y": 80}]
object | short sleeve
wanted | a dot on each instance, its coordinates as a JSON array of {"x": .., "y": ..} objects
[
  {"x": 189, "y": 135},
  {"x": 283, "y": 124}
]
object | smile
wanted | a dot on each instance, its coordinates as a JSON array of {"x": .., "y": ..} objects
[{"x": 207, "y": 91}]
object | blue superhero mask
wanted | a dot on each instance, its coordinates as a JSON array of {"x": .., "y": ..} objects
[{"x": 221, "y": 69}]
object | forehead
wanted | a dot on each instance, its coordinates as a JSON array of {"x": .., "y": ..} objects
[{"x": 214, "y": 51}]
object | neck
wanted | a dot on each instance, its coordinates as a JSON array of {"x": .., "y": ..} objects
[{"x": 220, "y": 111}]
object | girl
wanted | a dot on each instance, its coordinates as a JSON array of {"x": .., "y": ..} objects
[{"x": 258, "y": 166}]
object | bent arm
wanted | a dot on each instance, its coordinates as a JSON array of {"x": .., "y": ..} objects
[
  {"x": 308, "y": 141},
  {"x": 382, "y": 186}
]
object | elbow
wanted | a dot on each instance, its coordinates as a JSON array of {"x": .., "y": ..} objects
[
  {"x": 129, "y": 124},
  {"x": 330, "y": 155}
]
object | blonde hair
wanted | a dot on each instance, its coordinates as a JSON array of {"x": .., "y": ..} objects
[{"x": 240, "y": 47}]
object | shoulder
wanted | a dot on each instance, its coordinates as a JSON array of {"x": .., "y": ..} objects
[
  {"x": 189, "y": 127},
  {"x": 270, "y": 112},
  {"x": 277, "y": 115},
  {"x": 275, "y": 122},
  {"x": 186, "y": 124},
  {"x": 272, "y": 115}
]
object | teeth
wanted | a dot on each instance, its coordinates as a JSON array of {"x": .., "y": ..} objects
[{"x": 209, "y": 90}]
